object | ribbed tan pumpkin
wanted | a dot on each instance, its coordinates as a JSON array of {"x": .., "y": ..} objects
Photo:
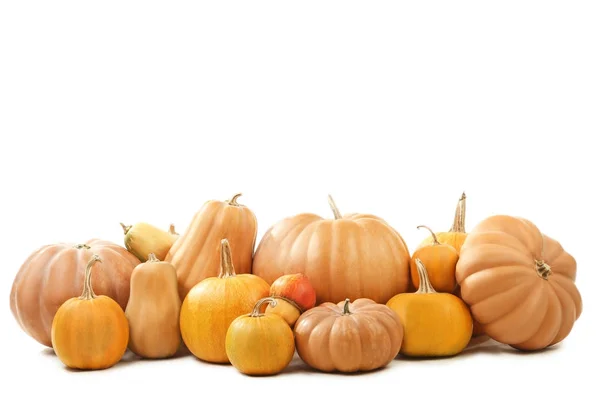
[
  {"x": 195, "y": 254},
  {"x": 351, "y": 256},
  {"x": 55, "y": 273},
  {"x": 519, "y": 283}
]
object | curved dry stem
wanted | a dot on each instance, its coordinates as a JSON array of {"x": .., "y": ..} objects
[
  {"x": 172, "y": 230},
  {"x": 88, "y": 291},
  {"x": 460, "y": 215},
  {"x": 227, "y": 270},
  {"x": 256, "y": 310},
  {"x": 233, "y": 200},
  {"x": 542, "y": 269},
  {"x": 333, "y": 206},
  {"x": 433, "y": 235},
  {"x": 126, "y": 228},
  {"x": 424, "y": 283}
]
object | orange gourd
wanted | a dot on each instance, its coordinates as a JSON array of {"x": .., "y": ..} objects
[
  {"x": 295, "y": 295},
  {"x": 90, "y": 331},
  {"x": 54, "y": 273},
  {"x": 457, "y": 234},
  {"x": 519, "y": 283},
  {"x": 348, "y": 337},
  {"x": 441, "y": 262},
  {"x": 354, "y": 256},
  {"x": 260, "y": 344},
  {"x": 435, "y": 324},
  {"x": 153, "y": 310},
  {"x": 211, "y": 306},
  {"x": 195, "y": 254}
]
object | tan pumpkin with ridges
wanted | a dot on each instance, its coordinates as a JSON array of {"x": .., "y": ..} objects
[
  {"x": 354, "y": 256},
  {"x": 195, "y": 254}
]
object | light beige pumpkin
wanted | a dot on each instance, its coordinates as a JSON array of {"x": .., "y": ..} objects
[
  {"x": 55, "y": 273},
  {"x": 153, "y": 310},
  {"x": 195, "y": 254},
  {"x": 351, "y": 256},
  {"x": 519, "y": 283}
]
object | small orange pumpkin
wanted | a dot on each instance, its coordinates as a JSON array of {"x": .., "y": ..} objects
[
  {"x": 457, "y": 234},
  {"x": 89, "y": 331},
  {"x": 440, "y": 259}
]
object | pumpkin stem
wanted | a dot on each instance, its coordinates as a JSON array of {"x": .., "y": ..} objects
[
  {"x": 256, "y": 310},
  {"x": 81, "y": 246},
  {"x": 542, "y": 269},
  {"x": 227, "y": 269},
  {"x": 424, "y": 283},
  {"x": 126, "y": 228},
  {"x": 459, "y": 215},
  {"x": 172, "y": 230},
  {"x": 233, "y": 200},
  {"x": 346, "y": 307},
  {"x": 336, "y": 211},
  {"x": 88, "y": 291},
  {"x": 152, "y": 258},
  {"x": 433, "y": 235}
]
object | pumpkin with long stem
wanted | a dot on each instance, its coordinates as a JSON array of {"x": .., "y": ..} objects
[
  {"x": 211, "y": 305},
  {"x": 435, "y": 324},
  {"x": 90, "y": 331},
  {"x": 260, "y": 344},
  {"x": 457, "y": 234}
]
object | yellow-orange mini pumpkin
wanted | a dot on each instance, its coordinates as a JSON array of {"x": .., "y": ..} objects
[
  {"x": 89, "y": 331},
  {"x": 211, "y": 306},
  {"x": 195, "y": 254},
  {"x": 348, "y": 337},
  {"x": 435, "y": 324},
  {"x": 519, "y": 283},
  {"x": 440, "y": 259},
  {"x": 457, "y": 234},
  {"x": 352, "y": 256},
  {"x": 260, "y": 344}
]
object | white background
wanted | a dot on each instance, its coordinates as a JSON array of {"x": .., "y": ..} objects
[{"x": 140, "y": 111}]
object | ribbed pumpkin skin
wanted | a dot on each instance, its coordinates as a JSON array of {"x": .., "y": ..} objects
[
  {"x": 506, "y": 290},
  {"x": 356, "y": 256},
  {"x": 195, "y": 254},
  {"x": 55, "y": 273}
]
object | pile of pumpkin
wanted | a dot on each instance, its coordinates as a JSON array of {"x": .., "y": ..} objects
[{"x": 345, "y": 293}]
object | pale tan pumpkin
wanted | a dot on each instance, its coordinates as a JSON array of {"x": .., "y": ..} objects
[
  {"x": 142, "y": 239},
  {"x": 55, "y": 273},
  {"x": 195, "y": 254},
  {"x": 519, "y": 283},
  {"x": 354, "y": 256},
  {"x": 348, "y": 337},
  {"x": 153, "y": 310}
]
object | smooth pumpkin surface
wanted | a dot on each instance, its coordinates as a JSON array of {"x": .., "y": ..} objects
[
  {"x": 348, "y": 336},
  {"x": 211, "y": 306},
  {"x": 55, "y": 273},
  {"x": 354, "y": 256},
  {"x": 153, "y": 310},
  {"x": 142, "y": 239},
  {"x": 440, "y": 259},
  {"x": 260, "y": 344},
  {"x": 89, "y": 331},
  {"x": 435, "y": 324},
  {"x": 195, "y": 254},
  {"x": 457, "y": 234},
  {"x": 519, "y": 283}
]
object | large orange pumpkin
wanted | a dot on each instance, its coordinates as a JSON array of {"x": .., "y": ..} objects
[
  {"x": 352, "y": 256},
  {"x": 195, "y": 255},
  {"x": 519, "y": 283},
  {"x": 55, "y": 273}
]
